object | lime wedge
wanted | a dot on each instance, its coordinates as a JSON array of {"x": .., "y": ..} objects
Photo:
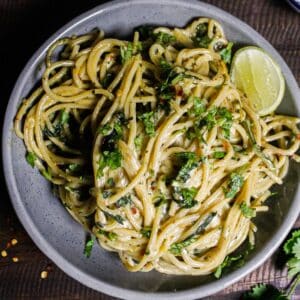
[{"x": 255, "y": 73}]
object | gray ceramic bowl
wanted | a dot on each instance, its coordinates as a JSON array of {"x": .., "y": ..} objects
[{"x": 62, "y": 239}]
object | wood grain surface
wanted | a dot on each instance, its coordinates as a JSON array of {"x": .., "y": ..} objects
[{"x": 25, "y": 24}]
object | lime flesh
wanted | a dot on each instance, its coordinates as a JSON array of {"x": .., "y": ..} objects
[{"x": 255, "y": 73}]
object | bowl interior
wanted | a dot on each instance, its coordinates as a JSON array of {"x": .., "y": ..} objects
[{"x": 49, "y": 217}]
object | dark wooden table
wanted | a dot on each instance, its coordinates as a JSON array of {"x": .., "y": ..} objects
[{"x": 25, "y": 24}]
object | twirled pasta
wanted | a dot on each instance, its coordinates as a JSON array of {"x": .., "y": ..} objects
[{"x": 151, "y": 147}]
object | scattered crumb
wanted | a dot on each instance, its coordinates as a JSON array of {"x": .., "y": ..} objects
[
  {"x": 15, "y": 259},
  {"x": 3, "y": 253},
  {"x": 44, "y": 274},
  {"x": 14, "y": 241}
]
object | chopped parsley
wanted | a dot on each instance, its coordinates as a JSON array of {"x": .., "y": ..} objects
[
  {"x": 247, "y": 211},
  {"x": 185, "y": 197},
  {"x": 165, "y": 67},
  {"x": 228, "y": 262},
  {"x": 164, "y": 38},
  {"x": 110, "y": 235},
  {"x": 30, "y": 158},
  {"x": 236, "y": 181},
  {"x": 105, "y": 130},
  {"x": 198, "y": 108},
  {"x": 129, "y": 50},
  {"x": 148, "y": 120},
  {"x": 110, "y": 181},
  {"x": 160, "y": 200},
  {"x": 47, "y": 174},
  {"x": 63, "y": 117},
  {"x": 145, "y": 31},
  {"x": 123, "y": 201},
  {"x": 233, "y": 262},
  {"x": 189, "y": 162},
  {"x": 106, "y": 194},
  {"x": 226, "y": 53},
  {"x": 218, "y": 154},
  {"x": 138, "y": 142},
  {"x": 126, "y": 52},
  {"x": 176, "y": 248},
  {"x": 74, "y": 167},
  {"x": 109, "y": 159},
  {"x": 88, "y": 247},
  {"x": 257, "y": 148},
  {"x": 218, "y": 116},
  {"x": 119, "y": 219},
  {"x": 201, "y": 38},
  {"x": 146, "y": 232}
]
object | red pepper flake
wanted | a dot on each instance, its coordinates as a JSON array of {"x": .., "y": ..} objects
[
  {"x": 179, "y": 91},
  {"x": 8, "y": 245},
  {"x": 225, "y": 145},
  {"x": 133, "y": 210},
  {"x": 298, "y": 136}
]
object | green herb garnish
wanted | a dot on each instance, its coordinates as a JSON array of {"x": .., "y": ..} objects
[
  {"x": 165, "y": 67},
  {"x": 47, "y": 174},
  {"x": 110, "y": 181},
  {"x": 109, "y": 159},
  {"x": 148, "y": 121},
  {"x": 218, "y": 116},
  {"x": 263, "y": 291},
  {"x": 176, "y": 248},
  {"x": 88, "y": 247},
  {"x": 31, "y": 157},
  {"x": 146, "y": 232},
  {"x": 185, "y": 197},
  {"x": 198, "y": 108},
  {"x": 219, "y": 154},
  {"x": 123, "y": 201},
  {"x": 236, "y": 181},
  {"x": 138, "y": 142},
  {"x": 106, "y": 194},
  {"x": 189, "y": 162},
  {"x": 105, "y": 129},
  {"x": 226, "y": 53},
  {"x": 119, "y": 219},
  {"x": 247, "y": 211},
  {"x": 126, "y": 52},
  {"x": 164, "y": 38},
  {"x": 74, "y": 167},
  {"x": 63, "y": 117},
  {"x": 110, "y": 235},
  {"x": 201, "y": 38}
]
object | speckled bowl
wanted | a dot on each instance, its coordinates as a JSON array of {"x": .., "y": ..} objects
[{"x": 62, "y": 239}]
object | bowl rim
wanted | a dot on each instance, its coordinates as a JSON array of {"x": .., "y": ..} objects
[{"x": 66, "y": 265}]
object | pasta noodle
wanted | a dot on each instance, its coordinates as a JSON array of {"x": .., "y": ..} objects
[{"x": 151, "y": 148}]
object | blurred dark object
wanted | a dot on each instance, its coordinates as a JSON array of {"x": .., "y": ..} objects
[{"x": 295, "y": 4}]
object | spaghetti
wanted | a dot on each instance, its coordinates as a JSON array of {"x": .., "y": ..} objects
[{"x": 150, "y": 146}]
